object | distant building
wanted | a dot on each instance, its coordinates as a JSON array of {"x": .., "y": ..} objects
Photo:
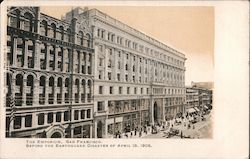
[
  {"x": 198, "y": 99},
  {"x": 207, "y": 85}
]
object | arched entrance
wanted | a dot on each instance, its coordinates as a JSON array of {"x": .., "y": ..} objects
[
  {"x": 99, "y": 129},
  {"x": 56, "y": 135},
  {"x": 155, "y": 113}
]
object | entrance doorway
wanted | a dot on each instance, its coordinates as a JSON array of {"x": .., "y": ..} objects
[
  {"x": 155, "y": 113},
  {"x": 99, "y": 129},
  {"x": 56, "y": 135}
]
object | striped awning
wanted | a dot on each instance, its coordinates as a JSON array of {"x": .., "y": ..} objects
[
  {"x": 191, "y": 110},
  {"x": 196, "y": 109}
]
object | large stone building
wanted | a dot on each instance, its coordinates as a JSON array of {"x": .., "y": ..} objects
[
  {"x": 49, "y": 75},
  {"x": 134, "y": 79}
]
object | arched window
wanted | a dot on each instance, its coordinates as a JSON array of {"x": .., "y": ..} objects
[
  {"x": 61, "y": 37},
  {"x": 51, "y": 90},
  {"x": 66, "y": 82},
  {"x": 88, "y": 40},
  {"x": 80, "y": 38},
  {"x": 68, "y": 36},
  {"x": 77, "y": 91},
  {"x": 29, "y": 90},
  {"x": 59, "y": 94},
  {"x": 28, "y": 22},
  {"x": 59, "y": 82},
  {"x": 42, "y": 90},
  {"x": 44, "y": 28},
  {"x": 89, "y": 91},
  {"x": 19, "y": 90},
  {"x": 8, "y": 85},
  {"x": 15, "y": 19},
  {"x": 83, "y": 91},
  {"x": 53, "y": 30}
]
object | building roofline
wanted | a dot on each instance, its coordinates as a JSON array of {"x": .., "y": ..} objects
[{"x": 154, "y": 40}]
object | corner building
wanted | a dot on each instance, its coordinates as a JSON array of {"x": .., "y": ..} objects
[
  {"x": 139, "y": 81},
  {"x": 49, "y": 75}
]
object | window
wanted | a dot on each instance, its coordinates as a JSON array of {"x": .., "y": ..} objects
[
  {"x": 100, "y": 61},
  {"x": 109, "y": 75},
  {"x": 76, "y": 114},
  {"x": 100, "y": 89},
  {"x": 135, "y": 90},
  {"x": 40, "y": 119},
  {"x": 100, "y": 74},
  {"x": 133, "y": 78},
  {"x": 147, "y": 90},
  {"x": 128, "y": 90},
  {"x": 120, "y": 90},
  {"x": 110, "y": 90},
  {"x": 28, "y": 120},
  {"x": 100, "y": 106},
  {"x": 118, "y": 77},
  {"x": 58, "y": 116},
  {"x": 88, "y": 113},
  {"x": 109, "y": 63},
  {"x": 17, "y": 122},
  {"x": 66, "y": 115},
  {"x": 141, "y": 90},
  {"x": 126, "y": 78},
  {"x": 126, "y": 67},
  {"x": 82, "y": 114},
  {"x": 50, "y": 118}
]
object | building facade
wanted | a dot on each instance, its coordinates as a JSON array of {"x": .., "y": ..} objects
[
  {"x": 198, "y": 99},
  {"x": 138, "y": 80},
  {"x": 49, "y": 77},
  {"x": 87, "y": 75}
]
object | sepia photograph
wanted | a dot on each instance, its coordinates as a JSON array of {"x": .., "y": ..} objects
[
  {"x": 129, "y": 79},
  {"x": 85, "y": 74}
]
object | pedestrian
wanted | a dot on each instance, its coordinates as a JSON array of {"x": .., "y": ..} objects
[
  {"x": 140, "y": 134},
  {"x": 181, "y": 135},
  {"x": 131, "y": 134}
]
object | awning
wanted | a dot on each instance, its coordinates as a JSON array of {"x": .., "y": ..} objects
[
  {"x": 196, "y": 109},
  {"x": 191, "y": 110}
]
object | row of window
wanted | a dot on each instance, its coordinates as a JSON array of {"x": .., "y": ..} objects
[
  {"x": 50, "y": 56},
  {"x": 120, "y": 90},
  {"x": 56, "y": 92},
  {"x": 48, "y": 118},
  {"x": 27, "y": 23},
  {"x": 135, "y": 46}
]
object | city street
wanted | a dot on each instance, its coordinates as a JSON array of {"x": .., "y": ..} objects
[{"x": 202, "y": 129}]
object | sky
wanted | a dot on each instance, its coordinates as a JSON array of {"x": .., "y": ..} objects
[{"x": 189, "y": 29}]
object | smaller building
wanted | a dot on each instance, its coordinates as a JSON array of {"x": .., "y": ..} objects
[{"x": 198, "y": 100}]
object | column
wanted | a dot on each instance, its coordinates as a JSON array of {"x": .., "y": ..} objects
[
  {"x": 36, "y": 92},
  {"x": 56, "y": 57},
  {"x": 25, "y": 61},
  {"x": 47, "y": 55},
  {"x": 24, "y": 90},
  {"x": 45, "y": 118},
  {"x": 92, "y": 63},
  {"x": 34, "y": 120},
  {"x": 86, "y": 91},
  {"x": 22, "y": 122},
  {"x": 86, "y": 62},
  {"x": 163, "y": 109},
  {"x": 14, "y": 49},
  {"x": 37, "y": 54},
  {"x": 46, "y": 91},
  {"x": 79, "y": 62},
  {"x": 95, "y": 126},
  {"x": 55, "y": 91},
  {"x": 90, "y": 131},
  {"x": 54, "y": 117},
  {"x": 13, "y": 87}
]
